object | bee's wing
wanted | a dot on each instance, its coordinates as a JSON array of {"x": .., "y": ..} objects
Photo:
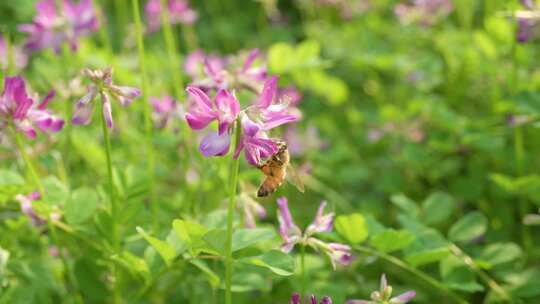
[{"x": 294, "y": 178}]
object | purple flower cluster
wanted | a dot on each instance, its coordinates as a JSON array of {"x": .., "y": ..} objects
[
  {"x": 384, "y": 295},
  {"x": 19, "y": 110},
  {"x": 424, "y": 12},
  {"x": 292, "y": 235},
  {"x": 295, "y": 299},
  {"x": 54, "y": 26},
  {"x": 179, "y": 12},
  {"x": 102, "y": 84},
  {"x": 244, "y": 71},
  {"x": 267, "y": 112}
]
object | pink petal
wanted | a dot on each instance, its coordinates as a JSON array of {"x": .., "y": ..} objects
[
  {"x": 107, "y": 111},
  {"x": 269, "y": 92}
]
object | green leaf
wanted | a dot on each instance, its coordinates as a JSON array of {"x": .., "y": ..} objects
[
  {"x": 429, "y": 247},
  {"x": 437, "y": 208},
  {"x": 135, "y": 265},
  {"x": 216, "y": 239},
  {"x": 243, "y": 238},
  {"x": 8, "y": 177},
  {"x": 57, "y": 191},
  {"x": 279, "y": 56},
  {"x": 191, "y": 234},
  {"x": 391, "y": 240},
  {"x": 469, "y": 227},
  {"x": 211, "y": 276},
  {"x": 352, "y": 227},
  {"x": 165, "y": 250},
  {"x": 81, "y": 206},
  {"x": 500, "y": 253},
  {"x": 406, "y": 205},
  {"x": 276, "y": 261},
  {"x": 458, "y": 276}
]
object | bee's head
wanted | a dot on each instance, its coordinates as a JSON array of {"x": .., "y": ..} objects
[{"x": 282, "y": 145}]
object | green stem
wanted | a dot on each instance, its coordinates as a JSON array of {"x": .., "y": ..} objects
[
  {"x": 113, "y": 205},
  {"x": 170, "y": 44},
  {"x": 491, "y": 283},
  {"x": 50, "y": 222},
  {"x": 418, "y": 273},
  {"x": 302, "y": 272},
  {"x": 147, "y": 115},
  {"x": 103, "y": 30},
  {"x": 10, "y": 55},
  {"x": 235, "y": 165},
  {"x": 523, "y": 205}
]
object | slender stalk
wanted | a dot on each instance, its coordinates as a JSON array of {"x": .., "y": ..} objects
[
  {"x": 302, "y": 272},
  {"x": 523, "y": 204},
  {"x": 170, "y": 44},
  {"x": 235, "y": 165},
  {"x": 418, "y": 273},
  {"x": 103, "y": 30},
  {"x": 113, "y": 204},
  {"x": 491, "y": 283},
  {"x": 518, "y": 141},
  {"x": 10, "y": 55},
  {"x": 50, "y": 221},
  {"x": 147, "y": 115}
]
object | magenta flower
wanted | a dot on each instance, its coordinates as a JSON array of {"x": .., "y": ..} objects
[
  {"x": 267, "y": 112},
  {"x": 242, "y": 71},
  {"x": 19, "y": 110},
  {"x": 384, "y": 295},
  {"x": 179, "y": 12},
  {"x": 102, "y": 84},
  {"x": 292, "y": 235},
  {"x": 51, "y": 27},
  {"x": 295, "y": 299},
  {"x": 425, "y": 12},
  {"x": 165, "y": 110},
  {"x": 254, "y": 143},
  {"x": 20, "y": 59}
]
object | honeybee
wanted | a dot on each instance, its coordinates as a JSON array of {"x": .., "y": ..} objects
[{"x": 275, "y": 170}]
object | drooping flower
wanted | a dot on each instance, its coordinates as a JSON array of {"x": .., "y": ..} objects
[
  {"x": 295, "y": 299},
  {"x": 21, "y": 111},
  {"x": 179, "y": 11},
  {"x": 102, "y": 84},
  {"x": 20, "y": 59},
  {"x": 292, "y": 235},
  {"x": 27, "y": 209},
  {"x": 53, "y": 26},
  {"x": 165, "y": 110},
  {"x": 424, "y": 12},
  {"x": 384, "y": 295},
  {"x": 251, "y": 209}
]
